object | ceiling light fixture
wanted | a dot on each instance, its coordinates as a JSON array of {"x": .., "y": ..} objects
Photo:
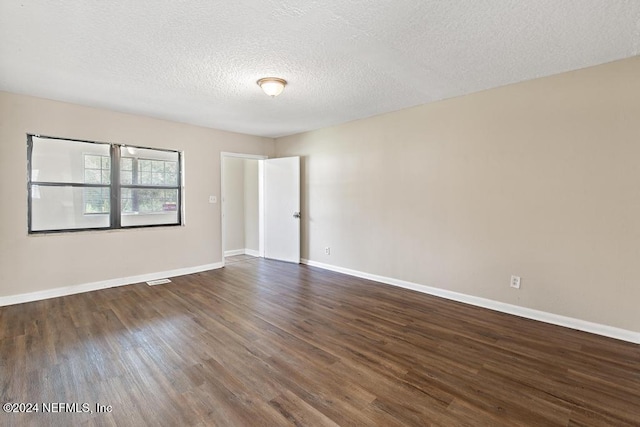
[{"x": 272, "y": 86}]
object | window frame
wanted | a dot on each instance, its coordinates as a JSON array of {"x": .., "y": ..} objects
[{"x": 115, "y": 211}]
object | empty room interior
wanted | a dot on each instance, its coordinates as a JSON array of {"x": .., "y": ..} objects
[{"x": 272, "y": 213}]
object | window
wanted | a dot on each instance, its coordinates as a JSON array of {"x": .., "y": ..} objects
[
  {"x": 150, "y": 184},
  {"x": 80, "y": 185}
]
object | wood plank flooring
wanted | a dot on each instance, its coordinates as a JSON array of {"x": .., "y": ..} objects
[{"x": 263, "y": 343}]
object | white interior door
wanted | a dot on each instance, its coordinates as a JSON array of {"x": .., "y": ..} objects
[{"x": 282, "y": 209}]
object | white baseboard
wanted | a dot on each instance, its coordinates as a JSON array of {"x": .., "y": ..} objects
[
  {"x": 555, "y": 319},
  {"x": 234, "y": 252},
  {"x": 241, "y": 252},
  {"x": 112, "y": 283}
]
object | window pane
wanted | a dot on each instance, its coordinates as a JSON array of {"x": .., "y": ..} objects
[
  {"x": 149, "y": 207},
  {"x": 157, "y": 166},
  {"x": 126, "y": 177},
  {"x": 92, "y": 176},
  {"x": 92, "y": 162},
  {"x": 149, "y": 167},
  {"x": 97, "y": 169},
  {"x": 126, "y": 164},
  {"x": 56, "y": 160},
  {"x": 61, "y": 208},
  {"x": 144, "y": 178},
  {"x": 157, "y": 179},
  {"x": 149, "y": 200},
  {"x": 127, "y": 205},
  {"x": 149, "y": 154},
  {"x": 171, "y": 179},
  {"x": 96, "y": 200},
  {"x": 144, "y": 165},
  {"x": 126, "y": 200}
]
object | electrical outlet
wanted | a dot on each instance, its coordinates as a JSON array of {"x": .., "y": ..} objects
[
  {"x": 213, "y": 199},
  {"x": 515, "y": 282},
  {"x": 327, "y": 250}
]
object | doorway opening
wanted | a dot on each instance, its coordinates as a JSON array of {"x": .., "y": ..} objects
[
  {"x": 241, "y": 194},
  {"x": 260, "y": 207}
]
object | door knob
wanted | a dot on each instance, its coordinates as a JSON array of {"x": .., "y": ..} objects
[{"x": 296, "y": 214}]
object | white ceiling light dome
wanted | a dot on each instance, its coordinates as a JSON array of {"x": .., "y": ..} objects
[{"x": 272, "y": 86}]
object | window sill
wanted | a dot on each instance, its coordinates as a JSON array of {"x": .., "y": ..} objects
[{"x": 133, "y": 213}]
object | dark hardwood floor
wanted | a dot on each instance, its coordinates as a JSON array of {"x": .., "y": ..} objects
[{"x": 263, "y": 343}]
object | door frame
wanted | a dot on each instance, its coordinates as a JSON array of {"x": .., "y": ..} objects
[{"x": 223, "y": 155}]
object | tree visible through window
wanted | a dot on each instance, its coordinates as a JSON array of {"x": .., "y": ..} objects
[
  {"x": 142, "y": 175},
  {"x": 133, "y": 172}
]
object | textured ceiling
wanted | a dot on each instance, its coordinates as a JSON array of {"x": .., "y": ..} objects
[{"x": 198, "y": 61}]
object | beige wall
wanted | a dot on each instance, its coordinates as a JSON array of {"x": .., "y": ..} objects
[
  {"x": 233, "y": 203},
  {"x": 240, "y": 204},
  {"x": 539, "y": 179},
  {"x": 36, "y": 263}
]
